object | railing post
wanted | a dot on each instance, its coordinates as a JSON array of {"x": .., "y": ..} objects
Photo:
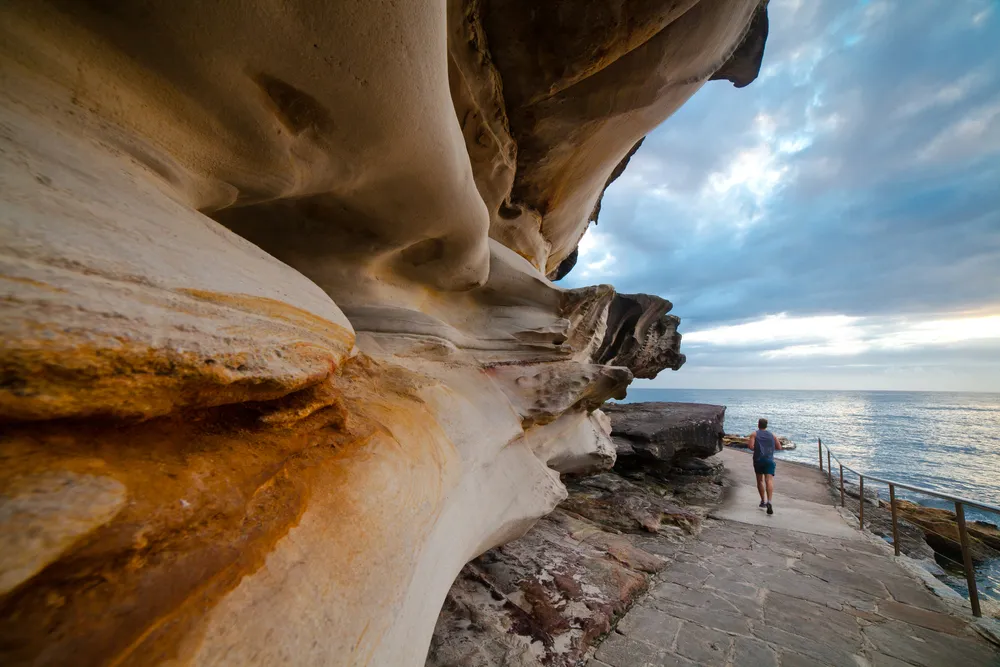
[
  {"x": 861, "y": 495},
  {"x": 829, "y": 468},
  {"x": 819, "y": 443},
  {"x": 895, "y": 524},
  {"x": 842, "y": 504},
  {"x": 970, "y": 574}
]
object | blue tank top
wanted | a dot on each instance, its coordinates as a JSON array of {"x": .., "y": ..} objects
[{"x": 763, "y": 448}]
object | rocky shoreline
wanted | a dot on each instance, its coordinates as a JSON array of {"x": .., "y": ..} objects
[
  {"x": 554, "y": 595},
  {"x": 550, "y": 597},
  {"x": 928, "y": 535}
]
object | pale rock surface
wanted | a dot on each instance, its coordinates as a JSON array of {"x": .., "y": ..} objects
[{"x": 275, "y": 308}]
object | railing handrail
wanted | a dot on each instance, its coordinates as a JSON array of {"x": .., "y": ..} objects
[
  {"x": 959, "y": 501},
  {"x": 912, "y": 487}
]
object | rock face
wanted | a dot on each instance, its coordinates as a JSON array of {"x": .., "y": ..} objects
[
  {"x": 548, "y": 597},
  {"x": 278, "y": 353},
  {"x": 665, "y": 435}
]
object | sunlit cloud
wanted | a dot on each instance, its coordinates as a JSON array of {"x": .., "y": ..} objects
[
  {"x": 944, "y": 332},
  {"x": 777, "y": 328},
  {"x": 784, "y": 336}
]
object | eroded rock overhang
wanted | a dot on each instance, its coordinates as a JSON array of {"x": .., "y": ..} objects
[{"x": 279, "y": 353}]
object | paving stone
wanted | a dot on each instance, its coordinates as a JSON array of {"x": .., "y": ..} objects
[
  {"x": 765, "y": 597},
  {"x": 784, "y": 538},
  {"x": 929, "y": 648},
  {"x": 805, "y": 587},
  {"x": 780, "y": 550},
  {"x": 882, "y": 660},
  {"x": 752, "y": 608},
  {"x": 753, "y": 653},
  {"x": 861, "y": 605},
  {"x": 865, "y": 616},
  {"x": 859, "y": 546},
  {"x": 655, "y": 544},
  {"x": 686, "y": 574},
  {"x": 859, "y": 582},
  {"x": 674, "y": 660},
  {"x": 792, "y": 659},
  {"x": 912, "y": 592},
  {"x": 702, "y": 549},
  {"x": 732, "y": 558},
  {"x": 824, "y": 562},
  {"x": 620, "y": 651},
  {"x": 732, "y": 587},
  {"x": 701, "y": 598},
  {"x": 734, "y": 623},
  {"x": 806, "y": 646},
  {"x": 703, "y": 645},
  {"x": 649, "y": 625},
  {"x": 727, "y": 537},
  {"x": 808, "y": 619},
  {"x": 922, "y": 617}
]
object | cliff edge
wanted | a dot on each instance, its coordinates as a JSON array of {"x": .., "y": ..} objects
[{"x": 278, "y": 349}]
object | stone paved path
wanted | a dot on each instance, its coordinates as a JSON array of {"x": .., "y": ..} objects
[{"x": 760, "y": 595}]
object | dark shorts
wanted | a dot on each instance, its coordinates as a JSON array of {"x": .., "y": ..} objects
[{"x": 764, "y": 467}]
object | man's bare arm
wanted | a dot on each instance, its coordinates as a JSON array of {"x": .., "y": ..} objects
[
  {"x": 752, "y": 439},
  {"x": 777, "y": 442}
]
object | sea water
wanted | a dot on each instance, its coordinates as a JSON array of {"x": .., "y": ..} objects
[{"x": 948, "y": 442}]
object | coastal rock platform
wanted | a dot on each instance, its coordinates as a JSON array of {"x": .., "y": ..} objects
[{"x": 768, "y": 592}]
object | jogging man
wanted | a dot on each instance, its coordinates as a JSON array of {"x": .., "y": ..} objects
[{"x": 763, "y": 443}]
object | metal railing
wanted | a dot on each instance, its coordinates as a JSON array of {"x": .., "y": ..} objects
[{"x": 959, "y": 502}]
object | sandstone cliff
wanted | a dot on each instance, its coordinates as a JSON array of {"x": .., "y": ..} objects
[{"x": 278, "y": 352}]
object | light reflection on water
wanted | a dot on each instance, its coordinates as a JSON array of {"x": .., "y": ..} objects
[{"x": 948, "y": 442}]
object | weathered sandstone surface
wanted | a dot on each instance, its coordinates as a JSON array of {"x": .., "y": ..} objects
[
  {"x": 278, "y": 350},
  {"x": 548, "y": 597}
]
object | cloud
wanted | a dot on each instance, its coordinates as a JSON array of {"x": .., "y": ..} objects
[
  {"x": 782, "y": 336},
  {"x": 857, "y": 179}
]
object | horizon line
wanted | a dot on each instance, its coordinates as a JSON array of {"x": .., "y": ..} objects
[{"x": 894, "y": 391}]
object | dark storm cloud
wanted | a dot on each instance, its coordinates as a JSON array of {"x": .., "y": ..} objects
[{"x": 859, "y": 175}]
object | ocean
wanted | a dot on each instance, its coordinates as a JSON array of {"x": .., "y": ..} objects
[{"x": 948, "y": 442}]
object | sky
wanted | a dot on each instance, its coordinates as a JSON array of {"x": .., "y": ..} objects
[{"x": 836, "y": 224}]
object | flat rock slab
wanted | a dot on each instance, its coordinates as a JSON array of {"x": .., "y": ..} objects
[
  {"x": 799, "y": 593},
  {"x": 665, "y": 432}
]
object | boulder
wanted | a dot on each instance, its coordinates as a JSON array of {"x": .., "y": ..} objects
[{"x": 665, "y": 436}]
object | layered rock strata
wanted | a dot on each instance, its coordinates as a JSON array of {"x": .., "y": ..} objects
[
  {"x": 666, "y": 436},
  {"x": 279, "y": 354},
  {"x": 551, "y": 596}
]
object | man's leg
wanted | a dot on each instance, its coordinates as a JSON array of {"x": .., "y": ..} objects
[
  {"x": 760, "y": 487},
  {"x": 769, "y": 481}
]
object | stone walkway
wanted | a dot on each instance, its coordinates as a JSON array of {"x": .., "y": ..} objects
[{"x": 755, "y": 593}]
